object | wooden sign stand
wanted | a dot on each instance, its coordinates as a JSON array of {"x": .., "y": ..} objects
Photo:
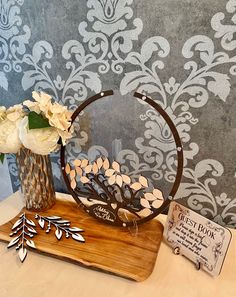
[{"x": 117, "y": 250}]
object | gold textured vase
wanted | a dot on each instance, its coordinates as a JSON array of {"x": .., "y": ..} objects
[{"x": 36, "y": 179}]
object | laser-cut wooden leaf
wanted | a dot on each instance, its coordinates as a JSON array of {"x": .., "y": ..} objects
[
  {"x": 119, "y": 180},
  {"x": 75, "y": 229},
  {"x": 30, "y": 243},
  {"x": 126, "y": 179},
  {"x": 72, "y": 174},
  {"x": 30, "y": 222},
  {"x": 22, "y": 254},
  {"x": 58, "y": 234},
  {"x": 77, "y": 162},
  {"x": 109, "y": 172},
  {"x": 145, "y": 212},
  {"x": 13, "y": 241},
  {"x": 32, "y": 230},
  {"x": 78, "y": 237},
  {"x": 88, "y": 169},
  {"x": 84, "y": 163},
  {"x": 158, "y": 194},
  {"x": 144, "y": 203},
  {"x": 73, "y": 184},
  {"x": 136, "y": 186},
  {"x": 17, "y": 223},
  {"x": 143, "y": 181},
  {"x": 112, "y": 180},
  {"x": 157, "y": 203},
  {"x": 150, "y": 196},
  {"x": 116, "y": 166},
  {"x": 41, "y": 223},
  {"x": 84, "y": 179},
  {"x": 67, "y": 168},
  {"x": 95, "y": 168},
  {"x": 79, "y": 171},
  {"x": 99, "y": 163},
  {"x": 106, "y": 164}
]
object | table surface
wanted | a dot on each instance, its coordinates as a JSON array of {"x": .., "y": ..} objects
[{"x": 40, "y": 275}]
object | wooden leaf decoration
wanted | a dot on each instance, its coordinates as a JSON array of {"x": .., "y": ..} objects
[
  {"x": 95, "y": 168},
  {"x": 136, "y": 186},
  {"x": 106, "y": 164},
  {"x": 58, "y": 234},
  {"x": 143, "y": 181},
  {"x": 84, "y": 179},
  {"x": 112, "y": 180},
  {"x": 116, "y": 166},
  {"x": 126, "y": 179},
  {"x": 13, "y": 241},
  {"x": 109, "y": 172},
  {"x": 30, "y": 229},
  {"x": 30, "y": 222},
  {"x": 119, "y": 180},
  {"x": 41, "y": 223},
  {"x": 114, "y": 205},
  {"x": 30, "y": 243},
  {"x": 72, "y": 174},
  {"x": 77, "y": 162},
  {"x": 84, "y": 163},
  {"x": 78, "y": 237},
  {"x": 67, "y": 168},
  {"x": 79, "y": 171},
  {"x": 17, "y": 223},
  {"x": 157, "y": 203},
  {"x": 150, "y": 196},
  {"x": 144, "y": 203},
  {"x": 100, "y": 163},
  {"x": 88, "y": 169},
  {"x": 145, "y": 212},
  {"x": 73, "y": 184},
  {"x": 158, "y": 194},
  {"x": 22, "y": 254},
  {"x": 75, "y": 229}
]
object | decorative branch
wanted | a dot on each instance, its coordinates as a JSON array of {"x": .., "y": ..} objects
[
  {"x": 61, "y": 226},
  {"x": 25, "y": 227}
]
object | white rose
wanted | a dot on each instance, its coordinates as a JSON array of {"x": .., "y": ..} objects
[
  {"x": 9, "y": 138},
  {"x": 40, "y": 141}
]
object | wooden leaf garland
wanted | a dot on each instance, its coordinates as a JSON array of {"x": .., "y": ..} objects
[
  {"x": 72, "y": 174},
  {"x": 84, "y": 180},
  {"x": 99, "y": 163},
  {"x": 126, "y": 179},
  {"x": 61, "y": 226},
  {"x": 67, "y": 168},
  {"x": 109, "y": 172},
  {"x": 79, "y": 171},
  {"x": 84, "y": 163},
  {"x": 73, "y": 184},
  {"x": 143, "y": 181},
  {"x": 119, "y": 180},
  {"x": 106, "y": 164},
  {"x": 158, "y": 194},
  {"x": 77, "y": 162},
  {"x": 136, "y": 186},
  {"x": 95, "y": 168},
  {"x": 112, "y": 180},
  {"x": 24, "y": 230}
]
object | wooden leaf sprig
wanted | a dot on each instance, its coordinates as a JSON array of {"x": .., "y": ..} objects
[
  {"x": 61, "y": 226},
  {"x": 24, "y": 229}
]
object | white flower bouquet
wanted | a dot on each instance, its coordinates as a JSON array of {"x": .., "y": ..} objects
[{"x": 40, "y": 126}]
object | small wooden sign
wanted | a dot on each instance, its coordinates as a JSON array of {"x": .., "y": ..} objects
[{"x": 197, "y": 238}]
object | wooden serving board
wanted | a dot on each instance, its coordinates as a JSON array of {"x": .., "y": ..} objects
[{"x": 110, "y": 249}]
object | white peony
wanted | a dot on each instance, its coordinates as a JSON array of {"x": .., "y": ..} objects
[
  {"x": 9, "y": 124},
  {"x": 40, "y": 141}
]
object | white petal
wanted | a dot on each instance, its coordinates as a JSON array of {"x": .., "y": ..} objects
[
  {"x": 77, "y": 162},
  {"x": 78, "y": 237},
  {"x": 72, "y": 174},
  {"x": 84, "y": 163},
  {"x": 88, "y": 169},
  {"x": 79, "y": 171},
  {"x": 22, "y": 254},
  {"x": 58, "y": 234},
  {"x": 67, "y": 168},
  {"x": 95, "y": 168},
  {"x": 149, "y": 196},
  {"x": 126, "y": 179},
  {"x": 73, "y": 184},
  {"x": 84, "y": 179},
  {"x": 99, "y": 162},
  {"x": 106, "y": 164},
  {"x": 30, "y": 243}
]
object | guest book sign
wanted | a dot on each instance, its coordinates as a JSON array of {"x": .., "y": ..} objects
[{"x": 197, "y": 238}]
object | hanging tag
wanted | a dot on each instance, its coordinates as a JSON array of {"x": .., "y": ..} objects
[{"x": 197, "y": 238}]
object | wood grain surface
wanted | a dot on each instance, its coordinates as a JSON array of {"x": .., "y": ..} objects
[{"x": 129, "y": 253}]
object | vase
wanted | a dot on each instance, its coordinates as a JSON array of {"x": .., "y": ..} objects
[{"x": 35, "y": 173}]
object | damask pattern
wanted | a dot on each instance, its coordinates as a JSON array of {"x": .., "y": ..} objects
[{"x": 112, "y": 40}]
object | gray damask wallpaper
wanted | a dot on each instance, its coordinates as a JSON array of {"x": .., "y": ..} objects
[{"x": 181, "y": 53}]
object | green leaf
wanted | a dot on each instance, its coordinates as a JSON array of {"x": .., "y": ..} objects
[
  {"x": 2, "y": 157},
  {"x": 37, "y": 121}
]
